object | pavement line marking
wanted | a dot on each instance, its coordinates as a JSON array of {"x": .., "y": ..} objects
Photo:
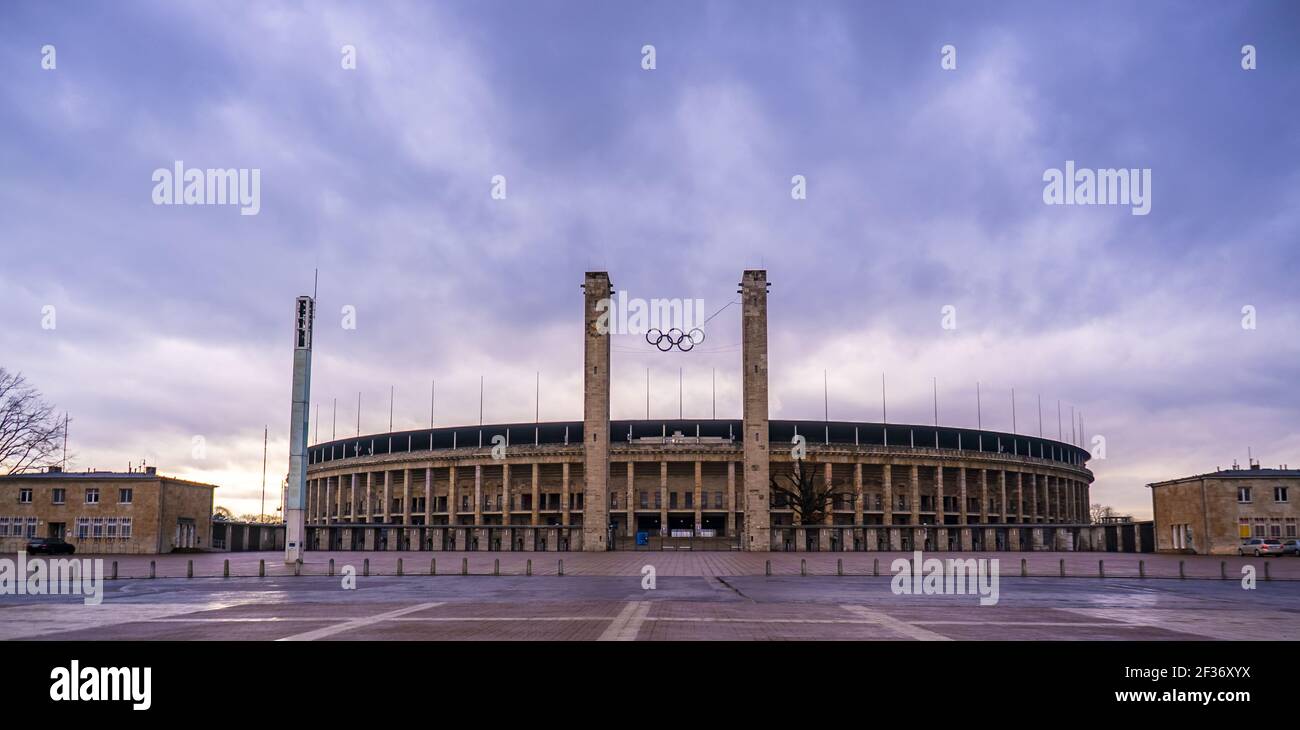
[
  {"x": 889, "y": 622},
  {"x": 357, "y": 623},
  {"x": 627, "y": 623}
]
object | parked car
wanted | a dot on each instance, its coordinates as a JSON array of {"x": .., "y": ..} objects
[
  {"x": 1259, "y": 547},
  {"x": 50, "y": 546},
  {"x": 1291, "y": 547}
]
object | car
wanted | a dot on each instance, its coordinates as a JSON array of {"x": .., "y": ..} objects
[
  {"x": 1291, "y": 547},
  {"x": 50, "y": 546},
  {"x": 1260, "y": 547}
]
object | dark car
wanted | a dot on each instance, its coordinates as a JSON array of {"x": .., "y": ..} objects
[{"x": 49, "y": 546}]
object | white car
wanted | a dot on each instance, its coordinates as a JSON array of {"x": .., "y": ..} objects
[{"x": 1260, "y": 547}]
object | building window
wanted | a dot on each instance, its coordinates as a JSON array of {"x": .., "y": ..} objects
[
  {"x": 1279, "y": 494},
  {"x": 645, "y": 500},
  {"x": 4, "y": 527},
  {"x": 1259, "y": 527},
  {"x": 672, "y": 500},
  {"x": 24, "y": 496},
  {"x": 1275, "y": 528},
  {"x": 97, "y": 528},
  {"x": 83, "y": 528},
  {"x": 126, "y": 528},
  {"x": 613, "y": 500},
  {"x": 92, "y": 496},
  {"x": 1243, "y": 495},
  {"x": 1290, "y": 527},
  {"x": 717, "y": 500},
  {"x": 125, "y": 496},
  {"x": 690, "y": 500},
  {"x": 464, "y": 503},
  {"x": 58, "y": 496},
  {"x": 111, "y": 531},
  {"x": 659, "y": 500},
  {"x": 31, "y": 527}
]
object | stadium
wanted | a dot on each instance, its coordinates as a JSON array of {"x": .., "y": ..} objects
[{"x": 598, "y": 484}]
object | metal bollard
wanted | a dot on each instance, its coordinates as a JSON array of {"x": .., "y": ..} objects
[
  {"x": 365, "y": 567},
  {"x": 561, "y": 570},
  {"x": 875, "y": 567},
  {"x": 1062, "y": 567},
  {"x": 1142, "y": 568},
  {"x": 261, "y": 569},
  {"x": 399, "y": 566},
  {"x": 803, "y": 567},
  {"x": 496, "y": 566},
  {"x": 767, "y": 568},
  {"x": 433, "y": 566},
  {"x": 1024, "y": 569},
  {"x": 1181, "y": 573},
  {"x": 528, "y": 568},
  {"x": 1101, "y": 568},
  {"x": 1223, "y": 569},
  {"x": 464, "y": 566},
  {"x": 225, "y": 568},
  {"x": 839, "y": 566},
  {"x": 331, "y": 566},
  {"x": 153, "y": 569},
  {"x": 189, "y": 568},
  {"x": 297, "y": 568},
  {"x": 1266, "y": 575},
  {"x": 114, "y": 570}
]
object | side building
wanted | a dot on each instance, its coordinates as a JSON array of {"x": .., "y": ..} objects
[
  {"x": 106, "y": 512},
  {"x": 1210, "y": 514}
]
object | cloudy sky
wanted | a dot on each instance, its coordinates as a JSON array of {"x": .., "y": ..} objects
[{"x": 924, "y": 190}]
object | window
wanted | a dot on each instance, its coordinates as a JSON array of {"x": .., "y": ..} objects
[
  {"x": 111, "y": 528},
  {"x": 126, "y": 528},
  {"x": 690, "y": 500},
  {"x": 1259, "y": 527},
  {"x": 659, "y": 500},
  {"x": 672, "y": 500},
  {"x": 24, "y": 496},
  {"x": 717, "y": 500},
  {"x": 1290, "y": 527},
  {"x": 1275, "y": 528},
  {"x": 125, "y": 496},
  {"x": 31, "y": 527},
  {"x": 645, "y": 500},
  {"x": 97, "y": 529},
  {"x": 464, "y": 503},
  {"x": 58, "y": 496},
  {"x": 4, "y": 527},
  {"x": 1279, "y": 494},
  {"x": 613, "y": 500},
  {"x": 1243, "y": 495},
  {"x": 83, "y": 528},
  {"x": 92, "y": 496}
]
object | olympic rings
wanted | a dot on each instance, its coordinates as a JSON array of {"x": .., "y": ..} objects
[{"x": 674, "y": 337}]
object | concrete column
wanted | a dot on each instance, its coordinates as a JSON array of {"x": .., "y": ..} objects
[
  {"x": 406, "y": 497},
  {"x": 824, "y": 535},
  {"x": 962, "y": 499},
  {"x": 663, "y": 495},
  {"x": 367, "y": 510},
  {"x": 984, "y": 496},
  {"x": 564, "y": 495},
  {"x": 631, "y": 498},
  {"x": 352, "y": 497},
  {"x": 329, "y": 501},
  {"x": 505, "y": 497},
  {"x": 757, "y": 454},
  {"x": 452, "y": 505},
  {"x": 478, "y": 495},
  {"x": 938, "y": 495},
  {"x": 915, "y": 491},
  {"x": 428, "y": 496},
  {"x": 537, "y": 494},
  {"x": 888, "y": 501},
  {"x": 731, "y": 498},
  {"x": 857, "y": 494},
  {"x": 595, "y": 412},
  {"x": 1002, "y": 487},
  {"x": 699, "y": 494},
  {"x": 1033, "y": 494}
]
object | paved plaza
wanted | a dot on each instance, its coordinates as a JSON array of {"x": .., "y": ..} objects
[{"x": 719, "y": 596}]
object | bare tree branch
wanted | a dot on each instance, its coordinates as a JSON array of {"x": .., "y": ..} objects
[{"x": 31, "y": 433}]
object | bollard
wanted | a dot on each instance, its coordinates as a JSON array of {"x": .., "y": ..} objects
[
  {"x": 1223, "y": 569},
  {"x": 261, "y": 569},
  {"x": 297, "y": 568},
  {"x": 1181, "y": 572},
  {"x": 464, "y": 566},
  {"x": 496, "y": 566},
  {"x": 528, "y": 569},
  {"x": 839, "y": 566},
  {"x": 331, "y": 566},
  {"x": 1062, "y": 567},
  {"x": 189, "y": 568},
  {"x": 1266, "y": 576},
  {"x": 365, "y": 567},
  {"x": 225, "y": 568},
  {"x": 433, "y": 566},
  {"x": 875, "y": 567},
  {"x": 153, "y": 569},
  {"x": 803, "y": 567},
  {"x": 114, "y": 570},
  {"x": 1101, "y": 568},
  {"x": 1142, "y": 568},
  {"x": 561, "y": 570},
  {"x": 1024, "y": 569},
  {"x": 767, "y": 568},
  {"x": 399, "y": 566}
]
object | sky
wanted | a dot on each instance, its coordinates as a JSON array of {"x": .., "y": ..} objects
[{"x": 165, "y": 331}]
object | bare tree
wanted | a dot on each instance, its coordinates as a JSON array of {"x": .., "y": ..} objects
[
  {"x": 1100, "y": 513},
  {"x": 809, "y": 497},
  {"x": 31, "y": 433}
]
